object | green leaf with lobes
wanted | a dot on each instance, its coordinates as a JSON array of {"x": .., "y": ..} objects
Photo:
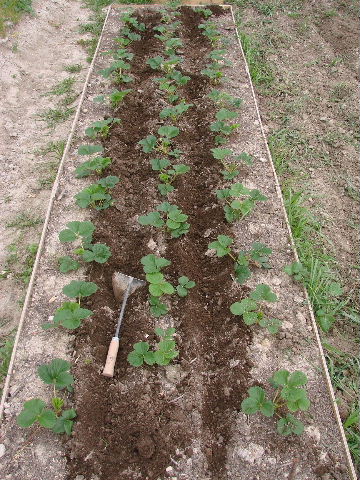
[
  {"x": 56, "y": 373},
  {"x": 90, "y": 149},
  {"x": 79, "y": 289}
]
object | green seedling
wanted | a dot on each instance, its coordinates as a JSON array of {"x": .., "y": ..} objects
[
  {"x": 164, "y": 65},
  {"x": 297, "y": 271},
  {"x": 97, "y": 195},
  {"x": 79, "y": 289},
  {"x": 175, "y": 111},
  {"x": 90, "y": 149},
  {"x": 240, "y": 201},
  {"x": 117, "y": 96},
  {"x": 250, "y": 310},
  {"x": 203, "y": 11},
  {"x": 168, "y": 173},
  {"x": 230, "y": 168},
  {"x": 223, "y": 125},
  {"x": 81, "y": 232},
  {"x": 127, "y": 37},
  {"x": 129, "y": 20},
  {"x": 122, "y": 54},
  {"x": 224, "y": 99},
  {"x": 165, "y": 351},
  {"x": 152, "y": 266},
  {"x": 166, "y": 32},
  {"x": 210, "y": 31},
  {"x": 288, "y": 396},
  {"x": 35, "y": 410},
  {"x": 95, "y": 166},
  {"x": 184, "y": 286},
  {"x": 101, "y": 128},
  {"x": 69, "y": 315},
  {"x": 213, "y": 71},
  {"x": 169, "y": 217},
  {"x": 163, "y": 143},
  {"x": 219, "y": 57},
  {"x": 257, "y": 256},
  {"x": 171, "y": 45},
  {"x": 171, "y": 83},
  {"x": 117, "y": 71}
]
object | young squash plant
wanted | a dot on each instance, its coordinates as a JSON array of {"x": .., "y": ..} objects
[
  {"x": 114, "y": 99},
  {"x": 127, "y": 37},
  {"x": 55, "y": 418},
  {"x": 101, "y": 128},
  {"x": 132, "y": 22},
  {"x": 230, "y": 168},
  {"x": 224, "y": 100},
  {"x": 166, "y": 32},
  {"x": 223, "y": 125},
  {"x": 168, "y": 173},
  {"x": 176, "y": 111},
  {"x": 97, "y": 195},
  {"x": 171, "y": 83},
  {"x": 70, "y": 314},
  {"x": 81, "y": 233},
  {"x": 164, "y": 352},
  {"x": 251, "y": 310},
  {"x": 164, "y": 65},
  {"x": 163, "y": 143},
  {"x": 289, "y": 398},
  {"x": 257, "y": 256},
  {"x": 117, "y": 71},
  {"x": 168, "y": 217},
  {"x": 94, "y": 166},
  {"x": 152, "y": 266},
  {"x": 240, "y": 201},
  {"x": 210, "y": 31}
]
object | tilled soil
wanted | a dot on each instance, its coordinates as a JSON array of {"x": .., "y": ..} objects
[{"x": 138, "y": 424}]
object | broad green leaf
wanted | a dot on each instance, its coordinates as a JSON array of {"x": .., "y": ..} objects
[
  {"x": 250, "y": 318},
  {"x": 64, "y": 423},
  {"x": 289, "y": 425},
  {"x": 56, "y": 373},
  {"x": 168, "y": 131},
  {"x": 181, "y": 169},
  {"x": 297, "y": 378},
  {"x": 221, "y": 153},
  {"x": 47, "y": 419},
  {"x": 32, "y": 410},
  {"x": 98, "y": 252},
  {"x": 263, "y": 292},
  {"x": 135, "y": 359},
  {"x": 79, "y": 288},
  {"x": 281, "y": 377},
  {"x": 90, "y": 149},
  {"x": 157, "y": 308},
  {"x": 221, "y": 245},
  {"x": 165, "y": 189},
  {"x": 152, "y": 218},
  {"x": 246, "y": 305},
  {"x": 70, "y": 314},
  {"x": 152, "y": 263},
  {"x": 77, "y": 229},
  {"x": 225, "y": 114},
  {"x": 242, "y": 272},
  {"x": 141, "y": 347},
  {"x": 158, "y": 164},
  {"x": 68, "y": 264},
  {"x": 148, "y": 144},
  {"x": 109, "y": 181}
]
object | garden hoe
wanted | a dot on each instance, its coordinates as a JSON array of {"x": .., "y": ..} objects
[{"x": 123, "y": 286}]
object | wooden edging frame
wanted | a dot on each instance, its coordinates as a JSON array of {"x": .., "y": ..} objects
[{"x": 54, "y": 192}]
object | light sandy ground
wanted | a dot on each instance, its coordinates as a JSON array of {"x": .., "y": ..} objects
[{"x": 32, "y": 61}]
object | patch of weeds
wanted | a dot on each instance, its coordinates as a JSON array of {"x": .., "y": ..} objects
[
  {"x": 54, "y": 147},
  {"x": 6, "y": 346},
  {"x": 54, "y": 116},
  {"x": 330, "y": 13},
  {"x": 340, "y": 92},
  {"x": 50, "y": 170},
  {"x": 63, "y": 87},
  {"x": 260, "y": 71},
  {"x": 20, "y": 261},
  {"x": 11, "y": 11},
  {"x": 74, "y": 68},
  {"x": 351, "y": 189},
  {"x": 24, "y": 220}
]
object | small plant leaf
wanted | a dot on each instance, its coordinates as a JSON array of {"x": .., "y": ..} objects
[
  {"x": 263, "y": 292},
  {"x": 65, "y": 423},
  {"x": 289, "y": 425},
  {"x": 90, "y": 149},
  {"x": 152, "y": 263},
  {"x": 56, "y": 373},
  {"x": 98, "y": 252},
  {"x": 246, "y": 305},
  {"x": 32, "y": 410},
  {"x": 70, "y": 314},
  {"x": 68, "y": 264},
  {"x": 221, "y": 245},
  {"x": 79, "y": 288}
]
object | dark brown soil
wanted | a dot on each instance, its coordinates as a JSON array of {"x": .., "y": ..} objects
[{"x": 140, "y": 428}]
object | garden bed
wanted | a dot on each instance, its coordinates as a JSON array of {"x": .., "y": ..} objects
[{"x": 183, "y": 420}]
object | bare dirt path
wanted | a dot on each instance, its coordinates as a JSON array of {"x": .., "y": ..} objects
[{"x": 32, "y": 61}]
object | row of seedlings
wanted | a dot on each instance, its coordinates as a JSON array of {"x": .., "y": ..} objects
[
  {"x": 167, "y": 217},
  {"x": 238, "y": 202},
  {"x": 80, "y": 235}
]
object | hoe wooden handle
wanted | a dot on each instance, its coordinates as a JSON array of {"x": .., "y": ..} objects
[{"x": 111, "y": 357}]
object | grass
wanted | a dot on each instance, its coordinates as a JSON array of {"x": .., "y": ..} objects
[
  {"x": 6, "y": 346},
  {"x": 54, "y": 116},
  {"x": 24, "y": 220},
  {"x": 11, "y": 11},
  {"x": 49, "y": 169},
  {"x": 20, "y": 261},
  {"x": 63, "y": 87},
  {"x": 75, "y": 68}
]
